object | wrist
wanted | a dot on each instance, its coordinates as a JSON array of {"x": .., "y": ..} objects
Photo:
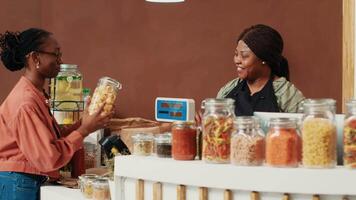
[{"x": 83, "y": 131}]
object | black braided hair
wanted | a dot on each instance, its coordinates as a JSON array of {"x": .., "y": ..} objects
[
  {"x": 267, "y": 44},
  {"x": 15, "y": 46}
]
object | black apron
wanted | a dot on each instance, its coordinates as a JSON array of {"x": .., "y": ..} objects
[{"x": 245, "y": 104}]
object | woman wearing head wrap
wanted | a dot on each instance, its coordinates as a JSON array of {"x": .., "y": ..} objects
[{"x": 262, "y": 83}]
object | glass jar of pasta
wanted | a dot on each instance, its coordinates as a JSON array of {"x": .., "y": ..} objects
[
  {"x": 283, "y": 143},
  {"x": 217, "y": 126},
  {"x": 350, "y": 135},
  {"x": 319, "y": 134},
  {"x": 247, "y": 142},
  {"x": 105, "y": 93}
]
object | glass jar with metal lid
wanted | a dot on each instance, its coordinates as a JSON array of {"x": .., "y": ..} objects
[
  {"x": 217, "y": 126},
  {"x": 163, "y": 144},
  {"x": 184, "y": 140},
  {"x": 319, "y": 134},
  {"x": 247, "y": 142},
  {"x": 283, "y": 143},
  {"x": 331, "y": 102},
  {"x": 350, "y": 135},
  {"x": 105, "y": 93},
  {"x": 142, "y": 144},
  {"x": 101, "y": 190}
]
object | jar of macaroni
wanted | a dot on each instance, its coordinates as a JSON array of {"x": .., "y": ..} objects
[
  {"x": 318, "y": 134},
  {"x": 105, "y": 94}
]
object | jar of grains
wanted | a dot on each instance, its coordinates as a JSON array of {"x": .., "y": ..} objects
[
  {"x": 283, "y": 143},
  {"x": 142, "y": 144},
  {"x": 319, "y": 134},
  {"x": 217, "y": 125},
  {"x": 247, "y": 142}
]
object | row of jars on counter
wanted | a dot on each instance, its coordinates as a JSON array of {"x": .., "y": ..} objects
[
  {"x": 94, "y": 187},
  {"x": 283, "y": 146},
  {"x": 241, "y": 141},
  {"x": 181, "y": 144}
]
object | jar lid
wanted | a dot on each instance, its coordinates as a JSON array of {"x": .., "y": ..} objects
[
  {"x": 165, "y": 138},
  {"x": 112, "y": 81},
  {"x": 319, "y": 102},
  {"x": 244, "y": 122},
  {"x": 183, "y": 123},
  {"x": 142, "y": 137},
  {"x": 283, "y": 122},
  {"x": 101, "y": 181},
  {"x": 217, "y": 102},
  {"x": 88, "y": 177},
  {"x": 68, "y": 66}
]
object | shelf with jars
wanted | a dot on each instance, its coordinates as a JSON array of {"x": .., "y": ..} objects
[
  {"x": 270, "y": 182},
  {"x": 296, "y": 158}
]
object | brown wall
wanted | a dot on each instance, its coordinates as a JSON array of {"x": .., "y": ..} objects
[
  {"x": 16, "y": 15},
  {"x": 186, "y": 49}
]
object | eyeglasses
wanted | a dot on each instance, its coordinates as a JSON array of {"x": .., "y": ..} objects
[{"x": 58, "y": 55}]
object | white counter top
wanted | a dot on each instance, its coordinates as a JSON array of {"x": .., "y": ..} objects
[
  {"x": 337, "y": 181},
  {"x": 56, "y": 192}
]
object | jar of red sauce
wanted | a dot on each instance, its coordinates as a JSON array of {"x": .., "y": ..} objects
[{"x": 184, "y": 140}]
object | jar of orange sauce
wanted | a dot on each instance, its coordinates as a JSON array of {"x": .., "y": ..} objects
[{"x": 184, "y": 140}]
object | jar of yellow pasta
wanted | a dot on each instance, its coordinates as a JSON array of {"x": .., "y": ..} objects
[
  {"x": 319, "y": 134},
  {"x": 105, "y": 94}
]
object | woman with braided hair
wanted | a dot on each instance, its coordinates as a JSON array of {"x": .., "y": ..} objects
[
  {"x": 32, "y": 147},
  {"x": 262, "y": 82}
]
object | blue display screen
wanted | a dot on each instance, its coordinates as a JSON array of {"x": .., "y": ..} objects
[{"x": 171, "y": 110}]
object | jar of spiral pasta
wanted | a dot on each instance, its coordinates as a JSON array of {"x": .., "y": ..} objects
[
  {"x": 105, "y": 93},
  {"x": 217, "y": 127},
  {"x": 350, "y": 135},
  {"x": 319, "y": 134}
]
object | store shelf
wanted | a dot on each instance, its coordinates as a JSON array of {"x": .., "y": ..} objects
[{"x": 336, "y": 181}]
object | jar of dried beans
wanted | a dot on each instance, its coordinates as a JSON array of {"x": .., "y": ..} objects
[
  {"x": 217, "y": 125},
  {"x": 319, "y": 134},
  {"x": 350, "y": 135},
  {"x": 283, "y": 143},
  {"x": 184, "y": 140},
  {"x": 247, "y": 142},
  {"x": 164, "y": 145}
]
